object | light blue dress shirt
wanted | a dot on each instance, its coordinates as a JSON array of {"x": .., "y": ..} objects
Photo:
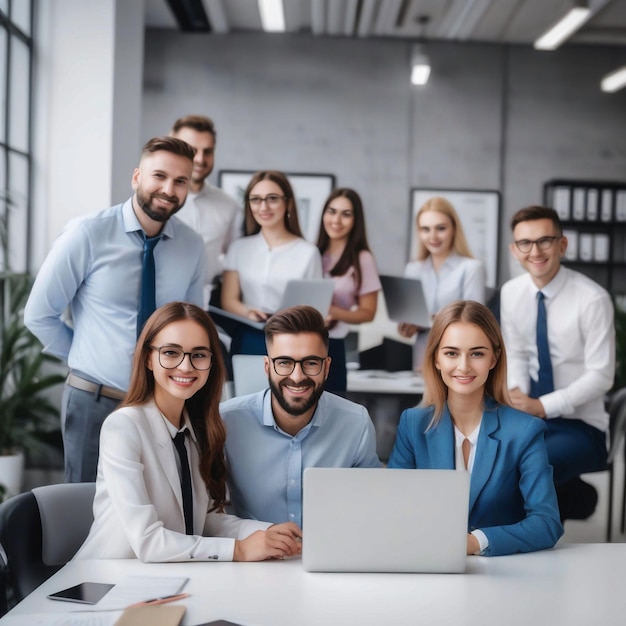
[
  {"x": 265, "y": 464},
  {"x": 94, "y": 267}
]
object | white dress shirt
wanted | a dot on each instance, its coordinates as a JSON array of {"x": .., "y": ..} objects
[
  {"x": 581, "y": 336},
  {"x": 218, "y": 218},
  {"x": 264, "y": 272}
]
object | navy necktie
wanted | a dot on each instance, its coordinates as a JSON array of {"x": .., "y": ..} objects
[
  {"x": 185, "y": 481},
  {"x": 545, "y": 382},
  {"x": 147, "y": 295}
]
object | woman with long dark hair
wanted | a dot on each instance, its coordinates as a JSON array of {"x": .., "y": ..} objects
[
  {"x": 347, "y": 259},
  {"x": 161, "y": 483}
]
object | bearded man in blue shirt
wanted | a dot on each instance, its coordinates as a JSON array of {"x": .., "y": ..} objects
[{"x": 110, "y": 270}]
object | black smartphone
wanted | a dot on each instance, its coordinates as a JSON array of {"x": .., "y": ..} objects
[{"x": 85, "y": 593}]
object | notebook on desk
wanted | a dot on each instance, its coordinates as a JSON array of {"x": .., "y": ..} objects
[
  {"x": 317, "y": 293},
  {"x": 384, "y": 520},
  {"x": 405, "y": 300}
]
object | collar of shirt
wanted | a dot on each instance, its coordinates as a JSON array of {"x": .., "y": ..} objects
[
  {"x": 451, "y": 261},
  {"x": 554, "y": 286},
  {"x": 186, "y": 425},
  {"x": 459, "y": 437}
]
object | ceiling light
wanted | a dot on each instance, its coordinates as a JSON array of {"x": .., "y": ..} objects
[
  {"x": 564, "y": 28},
  {"x": 272, "y": 16},
  {"x": 420, "y": 66},
  {"x": 614, "y": 81}
]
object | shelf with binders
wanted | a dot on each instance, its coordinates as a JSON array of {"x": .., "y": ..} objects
[{"x": 593, "y": 215}]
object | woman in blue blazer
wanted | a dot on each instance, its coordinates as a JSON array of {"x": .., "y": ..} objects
[{"x": 464, "y": 422}]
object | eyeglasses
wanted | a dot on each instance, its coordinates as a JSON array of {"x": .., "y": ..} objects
[
  {"x": 311, "y": 365},
  {"x": 272, "y": 200},
  {"x": 170, "y": 357},
  {"x": 544, "y": 243}
]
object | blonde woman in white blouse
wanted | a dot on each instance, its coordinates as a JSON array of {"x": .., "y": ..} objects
[{"x": 445, "y": 266}]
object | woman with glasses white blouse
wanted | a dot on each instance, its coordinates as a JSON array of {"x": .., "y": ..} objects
[{"x": 258, "y": 266}]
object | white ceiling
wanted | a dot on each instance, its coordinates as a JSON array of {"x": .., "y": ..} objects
[{"x": 496, "y": 21}]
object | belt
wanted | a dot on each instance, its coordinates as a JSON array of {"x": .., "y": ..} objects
[{"x": 98, "y": 390}]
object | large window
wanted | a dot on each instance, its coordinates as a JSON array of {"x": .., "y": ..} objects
[{"x": 16, "y": 53}]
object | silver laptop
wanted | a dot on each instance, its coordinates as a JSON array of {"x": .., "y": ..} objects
[
  {"x": 405, "y": 300},
  {"x": 315, "y": 292},
  {"x": 384, "y": 520}
]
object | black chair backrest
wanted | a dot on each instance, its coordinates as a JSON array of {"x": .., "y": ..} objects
[{"x": 20, "y": 535}]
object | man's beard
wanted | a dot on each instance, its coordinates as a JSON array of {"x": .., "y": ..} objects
[
  {"x": 160, "y": 215},
  {"x": 296, "y": 409}
]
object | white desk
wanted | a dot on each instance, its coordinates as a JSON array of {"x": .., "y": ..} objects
[
  {"x": 573, "y": 585},
  {"x": 381, "y": 382}
]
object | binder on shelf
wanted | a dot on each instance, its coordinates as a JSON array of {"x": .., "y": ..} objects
[
  {"x": 592, "y": 205},
  {"x": 606, "y": 205},
  {"x": 620, "y": 205},
  {"x": 585, "y": 246},
  {"x": 561, "y": 202},
  {"x": 601, "y": 247},
  {"x": 578, "y": 204},
  {"x": 571, "y": 254}
]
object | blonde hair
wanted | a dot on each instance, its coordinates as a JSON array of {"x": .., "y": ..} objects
[
  {"x": 469, "y": 311},
  {"x": 441, "y": 205}
]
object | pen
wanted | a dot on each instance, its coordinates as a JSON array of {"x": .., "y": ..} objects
[{"x": 162, "y": 600}]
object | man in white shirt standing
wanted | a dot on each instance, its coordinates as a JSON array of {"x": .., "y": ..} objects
[
  {"x": 212, "y": 213},
  {"x": 560, "y": 340}
]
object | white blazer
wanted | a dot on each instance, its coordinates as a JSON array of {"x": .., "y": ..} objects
[{"x": 138, "y": 510}]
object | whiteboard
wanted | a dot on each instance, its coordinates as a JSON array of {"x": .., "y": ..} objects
[{"x": 479, "y": 213}]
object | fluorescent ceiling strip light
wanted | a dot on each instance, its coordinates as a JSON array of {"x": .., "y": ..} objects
[
  {"x": 272, "y": 16},
  {"x": 614, "y": 81},
  {"x": 563, "y": 29}
]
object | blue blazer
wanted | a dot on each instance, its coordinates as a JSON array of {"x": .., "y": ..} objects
[{"x": 512, "y": 496}]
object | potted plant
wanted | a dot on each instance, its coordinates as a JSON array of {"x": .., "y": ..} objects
[{"x": 26, "y": 414}]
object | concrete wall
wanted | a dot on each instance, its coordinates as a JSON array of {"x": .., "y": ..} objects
[{"x": 492, "y": 117}]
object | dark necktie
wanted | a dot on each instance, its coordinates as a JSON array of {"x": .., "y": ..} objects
[
  {"x": 545, "y": 382},
  {"x": 185, "y": 481},
  {"x": 147, "y": 295}
]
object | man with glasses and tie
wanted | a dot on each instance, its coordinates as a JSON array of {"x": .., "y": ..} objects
[
  {"x": 560, "y": 341},
  {"x": 273, "y": 435},
  {"x": 111, "y": 269}
]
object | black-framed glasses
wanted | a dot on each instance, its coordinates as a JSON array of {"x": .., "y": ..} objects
[
  {"x": 171, "y": 357},
  {"x": 310, "y": 365},
  {"x": 543, "y": 243},
  {"x": 271, "y": 200}
]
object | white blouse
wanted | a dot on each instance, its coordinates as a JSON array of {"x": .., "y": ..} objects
[{"x": 264, "y": 272}]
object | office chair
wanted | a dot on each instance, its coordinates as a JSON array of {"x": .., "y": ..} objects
[
  {"x": 41, "y": 530},
  {"x": 248, "y": 374},
  {"x": 617, "y": 429}
]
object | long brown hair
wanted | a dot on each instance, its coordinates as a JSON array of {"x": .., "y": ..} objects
[
  {"x": 252, "y": 227},
  {"x": 441, "y": 205},
  {"x": 435, "y": 390},
  {"x": 203, "y": 406},
  {"x": 357, "y": 238}
]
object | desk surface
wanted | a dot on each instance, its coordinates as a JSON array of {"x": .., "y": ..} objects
[
  {"x": 382, "y": 382},
  {"x": 574, "y": 584}
]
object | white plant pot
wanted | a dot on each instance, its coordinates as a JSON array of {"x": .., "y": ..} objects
[{"x": 11, "y": 473}]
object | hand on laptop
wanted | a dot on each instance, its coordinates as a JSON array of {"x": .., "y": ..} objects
[
  {"x": 473, "y": 547},
  {"x": 256, "y": 315},
  {"x": 407, "y": 330}
]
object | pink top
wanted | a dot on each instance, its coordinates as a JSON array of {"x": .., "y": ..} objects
[{"x": 345, "y": 293}]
